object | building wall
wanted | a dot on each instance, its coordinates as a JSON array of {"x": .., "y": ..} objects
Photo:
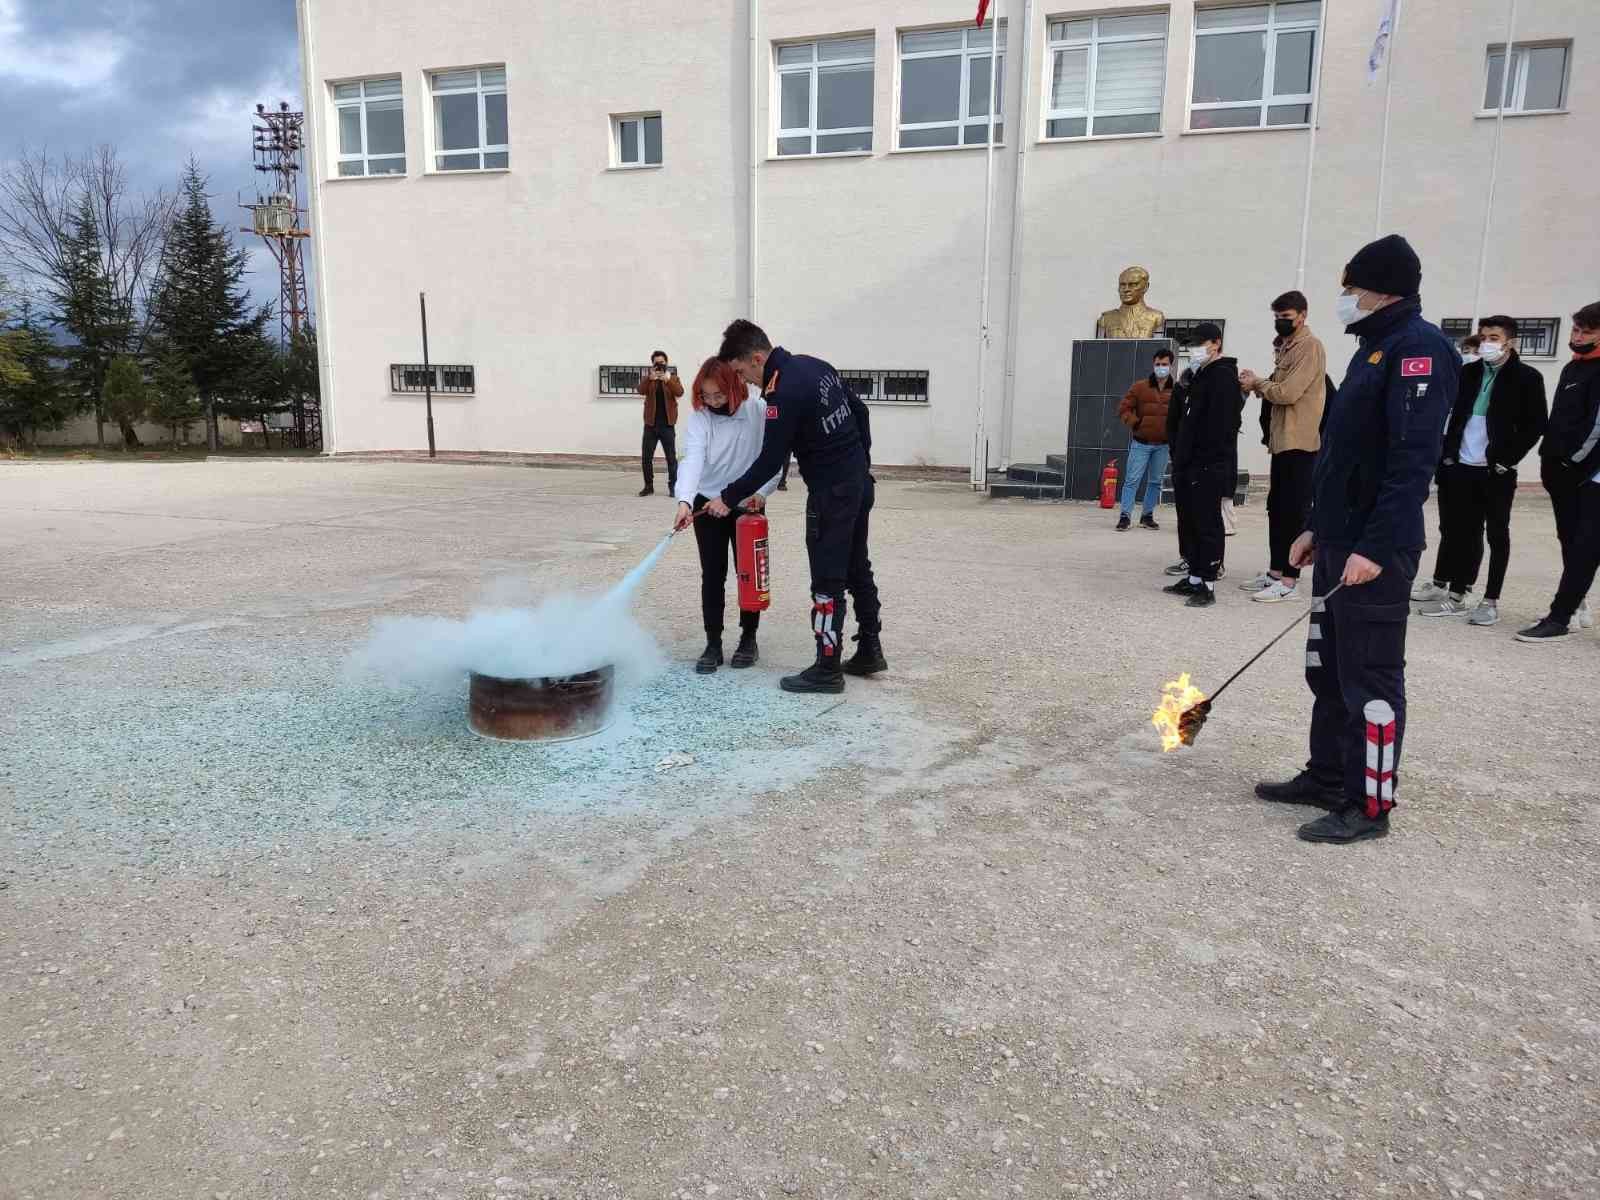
[
  {"x": 538, "y": 275},
  {"x": 80, "y": 431}
]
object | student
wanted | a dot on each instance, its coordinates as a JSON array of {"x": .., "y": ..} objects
[
  {"x": 1144, "y": 412},
  {"x": 1204, "y": 455},
  {"x": 721, "y": 438},
  {"x": 661, "y": 389}
]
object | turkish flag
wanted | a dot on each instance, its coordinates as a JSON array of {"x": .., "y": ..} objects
[{"x": 983, "y": 8}]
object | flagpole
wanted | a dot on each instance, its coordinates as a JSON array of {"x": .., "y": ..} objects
[
  {"x": 980, "y": 451},
  {"x": 1311, "y": 149},
  {"x": 1388, "y": 105},
  {"x": 1494, "y": 166}
]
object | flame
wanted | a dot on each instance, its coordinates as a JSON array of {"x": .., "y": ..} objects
[{"x": 1177, "y": 697}]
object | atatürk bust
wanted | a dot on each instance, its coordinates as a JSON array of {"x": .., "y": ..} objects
[{"x": 1134, "y": 319}]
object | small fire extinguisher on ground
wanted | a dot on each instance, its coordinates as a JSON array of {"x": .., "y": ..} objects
[
  {"x": 1108, "y": 486},
  {"x": 752, "y": 564}
]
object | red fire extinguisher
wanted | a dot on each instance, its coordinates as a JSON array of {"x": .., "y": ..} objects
[
  {"x": 1108, "y": 486},
  {"x": 752, "y": 564}
]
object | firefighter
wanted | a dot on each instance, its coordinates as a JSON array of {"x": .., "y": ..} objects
[
  {"x": 813, "y": 415},
  {"x": 1379, "y": 450}
]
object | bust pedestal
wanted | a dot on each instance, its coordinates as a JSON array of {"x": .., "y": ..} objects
[{"x": 1103, "y": 369}]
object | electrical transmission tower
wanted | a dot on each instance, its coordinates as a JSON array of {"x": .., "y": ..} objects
[{"x": 276, "y": 217}]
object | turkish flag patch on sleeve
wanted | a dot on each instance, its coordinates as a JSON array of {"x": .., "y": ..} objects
[
  {"x": 1411, "y": 368},
  {"x": 772, "y": 412}
]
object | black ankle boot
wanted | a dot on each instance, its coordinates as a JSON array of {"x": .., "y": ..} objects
[
  {"x": 822, "y": 676},
  {"x": 868, "y": 658},
  {"x": 710, "y": 659},
  {"x": 746, "y": 654}
]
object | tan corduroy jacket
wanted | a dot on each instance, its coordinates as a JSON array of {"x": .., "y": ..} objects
[{"x": 1297, "y": 391}]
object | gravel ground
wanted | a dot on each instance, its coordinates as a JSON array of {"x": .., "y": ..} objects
[{"x": 272, "y": 931}]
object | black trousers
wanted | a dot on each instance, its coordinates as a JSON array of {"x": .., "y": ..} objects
[
  {"x": 862, "y": 583},
  {"x": 1473, "y": 500},
  {"x": 1562, "y": 483},
  {"x": 833, "y": 514},
  {"x": 1356, "y": 669},
  {"x": 714, "y": 538},
  {"x": 1201, "y": 537},
  {"x": 1288, "y": 505},
  {"x": 668, "y": 438},
  {"x": 1580, "y": 554}
]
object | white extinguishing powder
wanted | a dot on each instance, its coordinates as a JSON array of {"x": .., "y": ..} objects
[{"x": 564, "y": 635}]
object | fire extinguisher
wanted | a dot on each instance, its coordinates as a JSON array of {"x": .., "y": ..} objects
[
  {"x": 751, "y": 563},
  {"x": 1108, "y": 485}
]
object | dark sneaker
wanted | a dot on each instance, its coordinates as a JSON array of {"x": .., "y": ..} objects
[
  {"x": 1545, "y": 631},
  {"x": 649, "y": 491},
  {"x": 710, "y": 659},
  {"x": 868, "y": 658},
  {"x": 1181, "y": 567},
  {"x": 1303, "y": 789},
  {"x": 1124, "y": 523},
  {"x": 745, "y": 654},
  {"x": 1148, "y": 522},
  {"x": 817, "y": 678},
  {"x": 1203, "y": 598},
  {"x": 1183, "y": 588},
  {"x": 1349, "y": 824}
]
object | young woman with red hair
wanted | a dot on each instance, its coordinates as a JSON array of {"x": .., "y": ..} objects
[{"x": 721, "y": 440}]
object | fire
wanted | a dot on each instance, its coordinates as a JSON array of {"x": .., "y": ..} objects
[{"x": 1177, "y": 697}]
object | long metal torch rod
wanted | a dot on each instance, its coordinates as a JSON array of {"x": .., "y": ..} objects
[{"x": 1273, "y": 643}]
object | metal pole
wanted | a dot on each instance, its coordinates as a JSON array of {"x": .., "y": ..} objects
[
  {"x": 1494, "y": 166},
  {"x": 427, "y": 372},
  {"x": 980, "y": 443},
  {"x": 1388, "y": 104},
  {"x": 1008, "y": 399},
  {"x": 756, "y": 75},
  {"x": 1311, "y": 149}
]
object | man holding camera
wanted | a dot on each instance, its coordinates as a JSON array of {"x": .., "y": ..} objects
[{"x": 661, "y": 389}]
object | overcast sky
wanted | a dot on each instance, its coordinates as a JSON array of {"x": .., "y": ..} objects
[{"x": 159, "y": 79}]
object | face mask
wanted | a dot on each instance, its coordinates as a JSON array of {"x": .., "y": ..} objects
[
  {"x": 1347, "y": 309},
  {"x": 1200, "y": 355},
  {"x": 1578, "y": 347},
  {"x": 1468, "y": 359},
  {"x": 1163, "y": 372},
  {"x": 1283, "y": 326},
  {"x": 1490, "y": 352}
]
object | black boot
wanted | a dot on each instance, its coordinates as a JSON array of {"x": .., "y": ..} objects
[
  {"x": 1303, "y": 789},
  {"x": 822, "y": 676},
  {"x": 868, "y": 658},
  {"x": 746, "y": 654},
  {"x": 710, "y": 659},
  {"x": 1349, "y": 824}
]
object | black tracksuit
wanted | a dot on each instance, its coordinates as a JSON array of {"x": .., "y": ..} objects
[
  {"x": 1204, "y": 420},
  {"x": 1570, "y": 458},
  {"x": 1473, "y": 498},
  {"x": 814, "y": 416}
]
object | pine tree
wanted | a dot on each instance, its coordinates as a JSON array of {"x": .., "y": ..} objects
[
  {"x": 173, "y": 402},
  {"x": 124, "y": 399},
  {"x": 202, "y": 310},
  {"x": 39, "y": 398},
  {"x": 93, "y": 316}
]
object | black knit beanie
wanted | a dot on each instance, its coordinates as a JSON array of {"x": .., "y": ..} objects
[{"x": 1388, "y": 265}]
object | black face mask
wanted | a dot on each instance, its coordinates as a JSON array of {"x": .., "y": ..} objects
[
  {"x": 1283, "y": 326},
  {"x": 1582, "y": 347}
]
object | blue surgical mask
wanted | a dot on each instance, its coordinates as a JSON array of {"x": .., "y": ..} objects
[{"x": 1163, "y": 372}]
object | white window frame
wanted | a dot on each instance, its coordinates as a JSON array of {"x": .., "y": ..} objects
[
  {"x": 639, "y": 163},
  {"x": 1093, "y": 44},
  {"x": 1272, "y": 28},
  {"x": 813, "y": 70},
  {"x": 1519, "y": 77},
  {"x": 360, "y": 103},
  {"x": 481, "y": 90},
  {"x": 975, "y": 45}
]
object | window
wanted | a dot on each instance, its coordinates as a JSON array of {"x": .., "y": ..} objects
[
  {"x": 372, "y": 131},
  {"x": 637, "y": 140},
  {"x": 825, "y": 97},
  {"x": 1538, "y": 337},
  {"x": 1253, "y": 65},
  {"x": 414, "y": 377},
  {"x": 469, "y": 120},
  {"x": 624, "y": 381},
  {"x": 944, "y": 87},
  {"x": 1107, "y": 75},
  {"x": 1538, "y": 79},
  {"x": 887, "y": 387}
]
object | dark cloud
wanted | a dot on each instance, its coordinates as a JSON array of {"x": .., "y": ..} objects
[{"x": 158, "y": 79}]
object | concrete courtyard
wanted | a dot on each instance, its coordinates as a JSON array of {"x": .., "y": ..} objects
[{"x": 269, "y": 928}]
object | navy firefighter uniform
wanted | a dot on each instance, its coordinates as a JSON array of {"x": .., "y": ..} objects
[
  {"x": 1379, "y": 451},
  {"x": 813, "y": 415}
]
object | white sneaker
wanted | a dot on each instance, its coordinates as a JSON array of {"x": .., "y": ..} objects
[
  {"x": 1429, "y": 591},
  {"x": 1583, "y": 616},
  {"x": 1263, "y": 580},
  {"x": 1487, "y": 613},
  {"x": 1450, "y": 606},
  {"x": 1278, "y": 592}
]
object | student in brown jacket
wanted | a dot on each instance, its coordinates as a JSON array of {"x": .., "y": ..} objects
[
  {"x": 1293, "y": 396},
  {"x": 1144, "y": 412},
  {"x": 661, "y": 389}
]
